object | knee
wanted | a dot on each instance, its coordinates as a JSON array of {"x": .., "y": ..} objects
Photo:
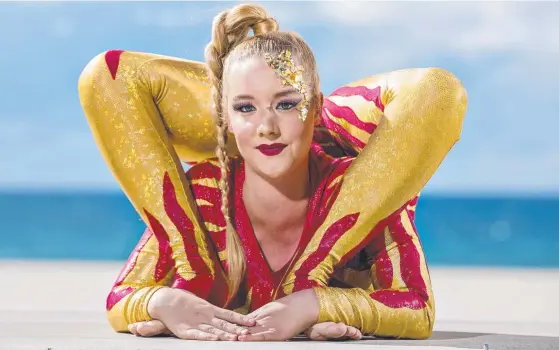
[
  {"x": 97, "y": 69},
  {"x": 445, "y": 99},
  {"x": 448, "y": 90}
]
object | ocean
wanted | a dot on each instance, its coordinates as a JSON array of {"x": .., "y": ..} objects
[{"x": 455, "y": 231}]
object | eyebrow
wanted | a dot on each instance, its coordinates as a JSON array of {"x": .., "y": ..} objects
[{"x": 279, "y": 94}]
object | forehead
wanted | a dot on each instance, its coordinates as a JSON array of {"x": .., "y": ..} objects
[{"x": 251, "y": 74}]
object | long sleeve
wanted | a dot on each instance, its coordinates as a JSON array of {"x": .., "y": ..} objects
[
  {"x": 149, "y": 268},
  {"x": 152, "y": 264},
  {"x": 419, "y": 114},
  {"x": 399, "y": 302}
]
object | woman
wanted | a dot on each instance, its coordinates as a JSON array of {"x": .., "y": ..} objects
[{"x": 312, "y": 214}]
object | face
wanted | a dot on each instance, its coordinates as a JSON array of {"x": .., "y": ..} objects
[{"x": 263, "y": 115}]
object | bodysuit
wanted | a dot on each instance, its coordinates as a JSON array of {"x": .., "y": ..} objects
[{"x": 379, "y": 142}]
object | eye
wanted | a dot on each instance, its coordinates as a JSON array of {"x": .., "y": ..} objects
[
  {"x": 244, "y": 108},
  {"x": 287, "y": 105}
]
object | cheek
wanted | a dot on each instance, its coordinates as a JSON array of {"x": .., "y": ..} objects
[
  {"x": 297, "y": 130},
  {"x": 241, "y": 128}
]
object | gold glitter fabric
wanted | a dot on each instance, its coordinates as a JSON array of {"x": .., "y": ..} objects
[
  {"x": 415, "y": 132},
  {"x": 419, "y": 114},
  {"x": 146, "y": 112},
  {"x": 360, "y": 252},
  {"x": 386, "y": 288}
]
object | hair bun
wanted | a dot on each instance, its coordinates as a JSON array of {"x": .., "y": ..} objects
[{"x": 266, "y": 25}]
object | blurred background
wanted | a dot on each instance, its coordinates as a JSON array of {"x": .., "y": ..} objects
[{"x": 493, "y": 202}]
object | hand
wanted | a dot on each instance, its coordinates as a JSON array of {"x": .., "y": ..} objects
[
  {"x": 331, "y": 330},
  {"x": 189, "y": 317},
  {"x": 320, "y": 331},
  {"x": 284, "y": 318}
]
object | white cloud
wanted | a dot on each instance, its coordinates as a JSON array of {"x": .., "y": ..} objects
[
  {"x": 507, "y": 51},
  {"x": 510, "y": 50},
  {"x": 407, "y": 30},
  {"x": 183, "y": 15},
  {"x": 467, "y": 27}
]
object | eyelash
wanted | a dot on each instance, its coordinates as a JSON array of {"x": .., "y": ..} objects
[{"x": 240, "y": 107}]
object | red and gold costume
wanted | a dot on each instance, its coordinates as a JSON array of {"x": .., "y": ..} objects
[{"x": 380, "y": 140}]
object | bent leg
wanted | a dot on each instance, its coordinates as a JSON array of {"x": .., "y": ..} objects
[
  {"x": 417, "y": 117},
  {"x": 144, "y": 110}
]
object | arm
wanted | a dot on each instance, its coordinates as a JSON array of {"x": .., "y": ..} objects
[
  {"x": 152, "y": 266},
  {"x": 394, "y": 301},
  {"x": 177, "y": 309},
  {"x": 419, "y": 122},
  {"x": 148, "y": 269},
  {"x": 400, "y": 304}
]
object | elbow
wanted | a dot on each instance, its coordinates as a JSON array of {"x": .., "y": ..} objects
[
  {"x": 94, "y": 77},
  {"x": 96, "y": 82},
  {"x": 91, "y": 81},
  {"x": 425, "y": 331},
  {"x": 117, "y": 322},
  {"x": 116, "y": 304},
  {"x": 93, "y": 70},
  {"x": 423, "y": 324}
]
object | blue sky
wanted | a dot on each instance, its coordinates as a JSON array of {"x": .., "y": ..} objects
[{"x": 506, "y": 54}]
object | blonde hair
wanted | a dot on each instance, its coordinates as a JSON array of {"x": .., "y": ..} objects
[{"x": 231, "y": 43}]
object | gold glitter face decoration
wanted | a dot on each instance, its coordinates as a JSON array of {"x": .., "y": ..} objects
[{"x": 291, "y": 75}]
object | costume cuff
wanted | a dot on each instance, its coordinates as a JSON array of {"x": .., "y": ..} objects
[{"x": 352, "y": 307}]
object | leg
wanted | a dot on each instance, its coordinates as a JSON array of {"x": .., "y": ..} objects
[
  {"x": 416, "y": 120},
  {"x": 145, "y": 112}
]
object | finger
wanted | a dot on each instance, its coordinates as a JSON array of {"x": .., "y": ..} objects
[
  {"x": 151, "y": 328},
  {"x": 133, "y": 328},
  {"x": 314, "y": 332},
  {"x": 334, "y": 330},
  {"x": 222, "y": 335},
  {"x": 234, "y": 317},
  {"x": 268, "y": 335},
  {"x": 353, "y": 333},
  {"x": 316, "y": 336},
  {"x": 196, "y": 334},
  {"x": 228, "y": 326}
]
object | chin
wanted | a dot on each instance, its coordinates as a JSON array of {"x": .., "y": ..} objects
[
  {"x": 272, "y": 172},
  {"x": 271, "y": 169}
]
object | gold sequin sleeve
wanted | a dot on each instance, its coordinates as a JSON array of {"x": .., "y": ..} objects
[{"x": 147, "y": 113}]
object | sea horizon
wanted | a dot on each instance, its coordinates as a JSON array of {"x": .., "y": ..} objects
[{"x": 456, "y": 229}]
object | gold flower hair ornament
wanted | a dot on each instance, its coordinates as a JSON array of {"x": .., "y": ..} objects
[{"x": 291, "y": 75}]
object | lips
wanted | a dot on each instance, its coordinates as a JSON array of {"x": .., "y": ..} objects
[{"x": 271, "y": 150}]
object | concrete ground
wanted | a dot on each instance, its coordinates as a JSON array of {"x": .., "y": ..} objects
[{"x": 60, "y": 305}]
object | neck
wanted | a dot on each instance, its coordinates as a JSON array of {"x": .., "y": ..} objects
[{"x": 269, "y": 200}]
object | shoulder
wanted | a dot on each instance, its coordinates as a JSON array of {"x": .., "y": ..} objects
[
  {"x": 327, "y": 177},
  {"x": 203, "y": 179},
  {"x": 207, "y": 170},
  {"x": 329, "y": 167}
]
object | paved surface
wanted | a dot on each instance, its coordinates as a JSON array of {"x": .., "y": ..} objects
[{"x": 505, "y": 309}]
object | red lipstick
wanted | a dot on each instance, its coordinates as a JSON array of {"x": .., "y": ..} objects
[{"x": 271, "y": 150}]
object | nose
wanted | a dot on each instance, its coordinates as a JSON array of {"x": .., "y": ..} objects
[{"x": 268, "y": 126}]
